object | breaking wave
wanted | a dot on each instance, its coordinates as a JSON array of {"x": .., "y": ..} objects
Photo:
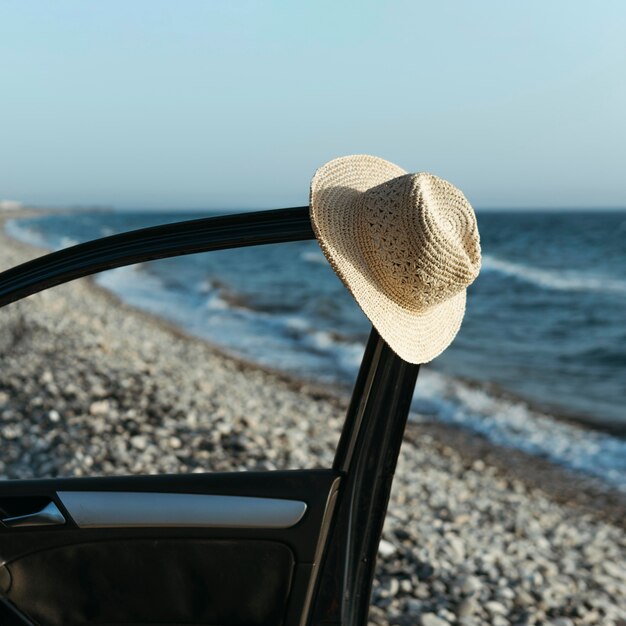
[{"x": 553, "y": 279}]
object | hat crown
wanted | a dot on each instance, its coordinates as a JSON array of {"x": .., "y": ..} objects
[{"x": 419, "y": 236}]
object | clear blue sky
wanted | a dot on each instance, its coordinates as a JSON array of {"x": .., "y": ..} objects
[{"x": 235, "y": 104}]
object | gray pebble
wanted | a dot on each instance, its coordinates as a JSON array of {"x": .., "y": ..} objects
[
  {"x": 431, "y": 619},
  {"x": 468, "y": 606}
]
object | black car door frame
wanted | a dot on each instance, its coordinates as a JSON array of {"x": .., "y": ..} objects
[{"x": 370, "y": 441}]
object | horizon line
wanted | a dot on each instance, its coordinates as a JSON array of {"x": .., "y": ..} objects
[{"x": 196, "y": 209}]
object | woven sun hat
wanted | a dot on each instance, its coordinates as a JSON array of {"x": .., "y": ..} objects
[{"x": 405, "y": 245}]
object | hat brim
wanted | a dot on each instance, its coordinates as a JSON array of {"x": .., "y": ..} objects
[{"x": 336, "y": 190}]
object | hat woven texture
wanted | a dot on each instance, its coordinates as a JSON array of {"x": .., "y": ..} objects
[{"x": 405, "y": 245}]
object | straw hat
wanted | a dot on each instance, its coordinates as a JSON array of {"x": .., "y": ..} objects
[{"x": 405, "y": 245}]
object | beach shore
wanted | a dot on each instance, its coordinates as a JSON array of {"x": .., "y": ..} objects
[{"x": 475, "y": 534}]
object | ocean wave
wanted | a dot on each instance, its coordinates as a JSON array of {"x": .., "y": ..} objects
[
  {"x": 67, "y": 242},
  {"x": 19, "y": 229},
  {"x": 346, "y": 354},
  {"x": 612, "y": 355},
  {"x": 131, "y": 281},
  {"x": 313, "y": 256},
  {"x": 22, "y": 231},
  {"x": 514, "y": 424},
  {"x": 554, "y": 279},
  {"x": 283, "y": 341},
  {"x": 216, "y": 303}
]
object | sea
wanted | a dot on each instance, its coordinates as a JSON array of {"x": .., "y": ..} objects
[{"x": 539, "y": 364}]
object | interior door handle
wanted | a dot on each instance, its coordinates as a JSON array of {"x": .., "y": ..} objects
[{"x": 48, "y": 516}]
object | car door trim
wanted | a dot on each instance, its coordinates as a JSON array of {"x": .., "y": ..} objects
[{"x": 115, "y": 509}]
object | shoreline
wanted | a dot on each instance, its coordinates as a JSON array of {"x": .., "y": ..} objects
[
  {"x": 559, "y": 483},
  {"x": 555, "y": 412},
  {"x": 475, "y": 533}
]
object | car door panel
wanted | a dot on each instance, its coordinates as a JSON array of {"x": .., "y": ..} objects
[
  {"x": 156, "y": 559},
  {"x": 158, "y": 581}
]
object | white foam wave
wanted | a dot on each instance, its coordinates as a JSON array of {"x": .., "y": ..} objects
[
  {"x": 67, "y": 242},
  {"x": 20, "y": 230},
  {"x": 346, "y": 355},
  {"x": 215, "y": 303},
  {"x": 297, "y": 323},
  {"x": 17, "y": 230},
  {"x": 313, "y": 256},
  {"x": 553, "y": 279},
  {"x": 130, "y": 280},
  {"x": 205, "y": 286},
  {"x": 514, "y": 424}
]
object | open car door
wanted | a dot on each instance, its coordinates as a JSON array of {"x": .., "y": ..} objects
[{"x": 292, "y": 548}]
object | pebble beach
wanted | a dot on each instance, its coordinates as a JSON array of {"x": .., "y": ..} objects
[{"x": 475, "y": 534}]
